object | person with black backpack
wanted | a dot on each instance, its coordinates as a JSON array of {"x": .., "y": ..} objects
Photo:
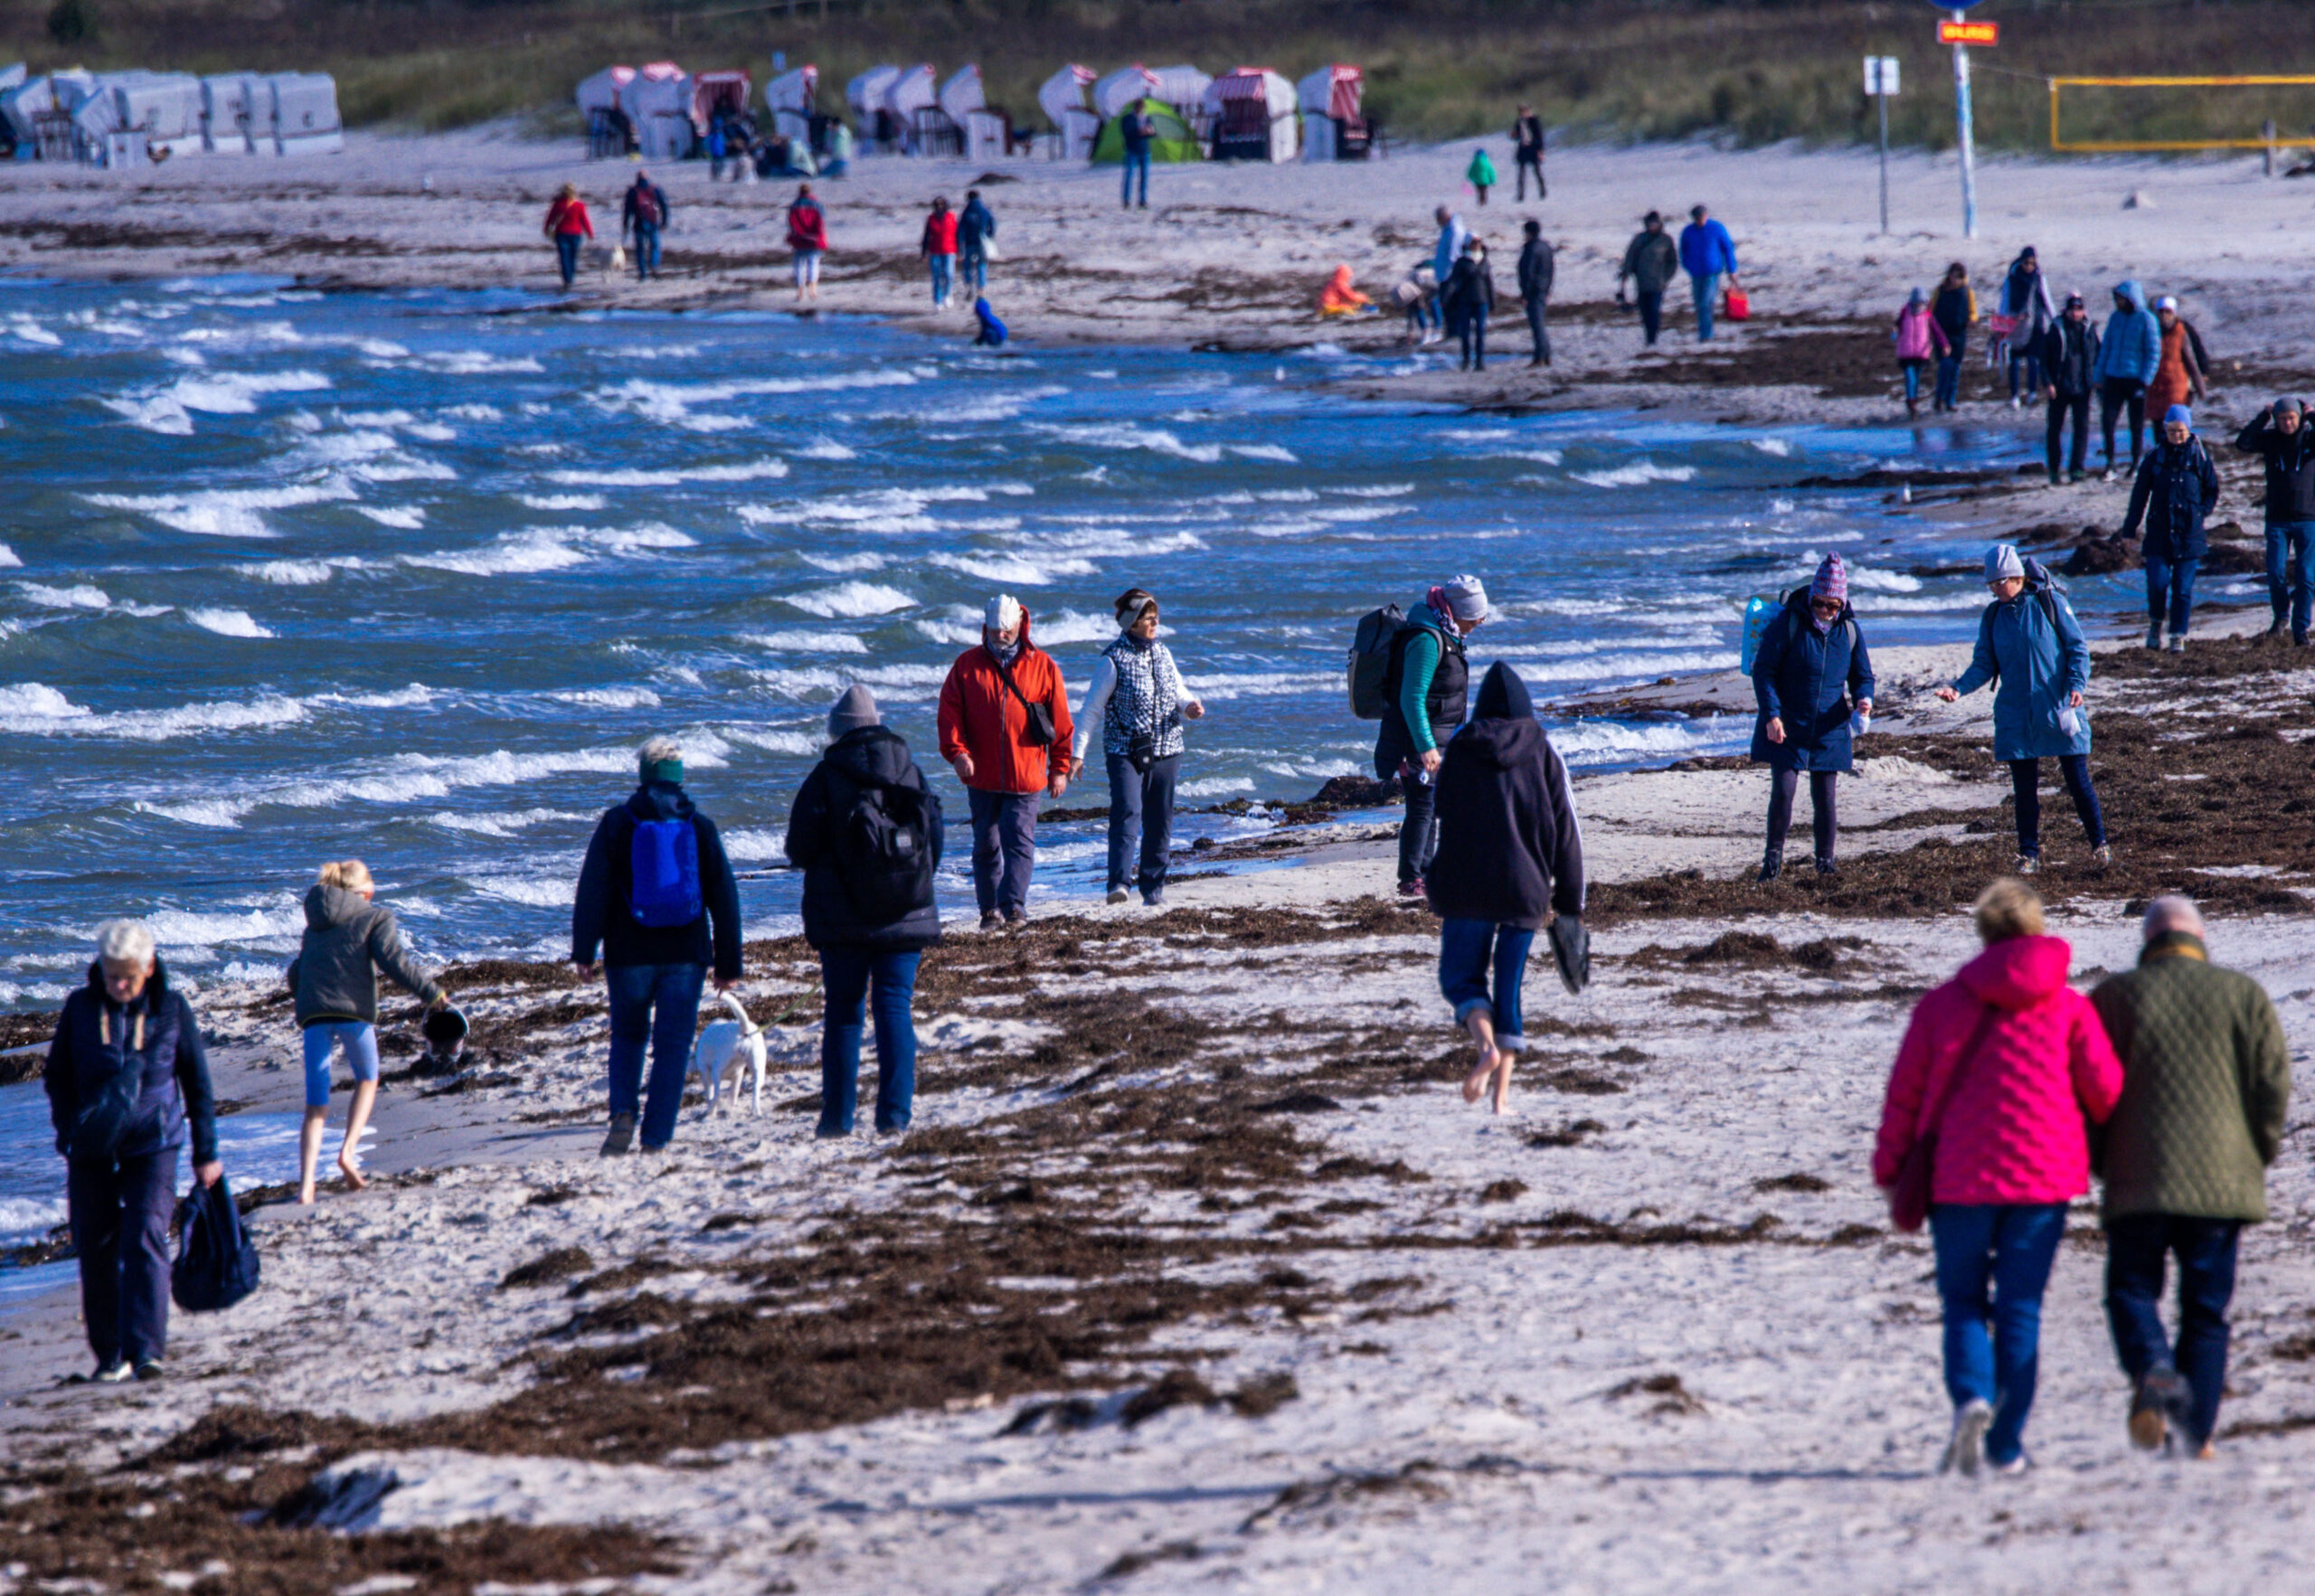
[
  {"x": 655, "y": 879},
  {"x": 1425, "y": 696},
  {"x": 867, "y": 833}
]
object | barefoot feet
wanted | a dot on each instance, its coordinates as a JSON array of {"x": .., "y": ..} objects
[
  {"x": 355, "y": 1182},
  {"x": 1475, "y": 1085}
]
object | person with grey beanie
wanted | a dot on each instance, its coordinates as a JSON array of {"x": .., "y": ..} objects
[
  {"x": 867, "y": 833},
  {"x": 1426, "y": 695}
]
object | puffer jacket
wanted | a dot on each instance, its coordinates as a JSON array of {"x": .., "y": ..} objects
[
  {"x": 2031, "y": 648},
  {"x": 349, "y": 939},
  {"x": 2131, "y": 349},
  {"x": 868, "y": 757},
  {"x": 2011, "y": 1131},
  {"x": 1509, "y": 848},
  {"x": 2025, "y": 296},
  {"x": 1955, "y": 307},
  {"x": 2177, "y": 486},
  {"x": 980, "y": 715},
  {"x": 2206, "y": 1087},
  {"x": 1918, "y": 336},
  {"x": 158, "y": 1037},
  {"x": 1811, "y": 681},
  {"x": 2290, "y": 460}
]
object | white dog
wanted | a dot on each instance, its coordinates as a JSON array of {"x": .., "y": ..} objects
[{"x": 727, "y": 1049}]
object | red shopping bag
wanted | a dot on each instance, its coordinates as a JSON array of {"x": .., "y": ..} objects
[{"x": 1740, "y": 306}]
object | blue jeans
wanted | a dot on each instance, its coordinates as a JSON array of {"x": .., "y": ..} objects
[
  {"x": 121, "y": 1209},
  {"x": 1702, "y": 289},
  {"x": 2032, "y": 366},
  {"x": 2025, "y": 788},
  {"x": 1419, "y": 832},
  {"x": 2136, "y": 1247},
  {"x": 1949, "y": 379},
  {"x": 1467, "y": 948},
  {"x": 1136, "y": 161},
  {"x": 1913, "y": 370},
  {"x": 566, "y": 254},
  {"x": 1141, "y": 810},
  {"x": 1004, "y": 848},
  {"x": 359, "y": 1040},
  {"x": 972, "y": 269},
  {"x": 2170, "y": 590},
  {"x": 943, "y": 271},
  {"x": 2290, "y": 573},
  {"x": 846, "y": 974},
  {"x": 658, "y": 1004},
  {"x": 1993, "y": 1262},
  {"x": 647, "y": 252}
]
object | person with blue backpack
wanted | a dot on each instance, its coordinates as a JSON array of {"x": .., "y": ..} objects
[
  {"x": 655, "y": 885},
  {"x": 1813, "y": 682}
]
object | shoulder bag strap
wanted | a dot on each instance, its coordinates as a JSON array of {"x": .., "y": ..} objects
[{"x": 1006, "y": 675}]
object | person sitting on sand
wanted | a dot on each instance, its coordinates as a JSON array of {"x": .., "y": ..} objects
[
  {"x": 1810, "y": 676},
  {"x": 989, "y": 331},
  {"x": 1510, "y": 853},
  {"x": 348, "y": 940},
  {"x": 1341, "y": 297},
  {"x": 567, "y": 222}
]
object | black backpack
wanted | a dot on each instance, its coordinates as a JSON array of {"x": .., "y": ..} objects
[
  {"x": 1370, "y": 661},
  {"x": 216, "y": 1264},
  {"x": 882, "y": 847}
]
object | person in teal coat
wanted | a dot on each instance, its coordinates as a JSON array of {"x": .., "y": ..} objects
[
  {"x": 2031, "y": 648},
  {"x": 1480, "y": 174},
  {"x": 1811, "y": 673}
]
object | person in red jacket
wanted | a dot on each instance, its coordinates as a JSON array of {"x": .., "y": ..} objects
[
  {"x": 2000, "y": 1065},
  {"x": 1003, "y": 753},
  {"x": 566, "y": 224},
  {"x": 938, "y": 247},
  {"x": 808, "y": 237}
]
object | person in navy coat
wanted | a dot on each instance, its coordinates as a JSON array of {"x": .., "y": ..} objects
[{"x": 1810, "y": 676}]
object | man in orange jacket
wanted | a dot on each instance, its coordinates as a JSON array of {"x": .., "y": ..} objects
[{"x": 1004, "y": 710}]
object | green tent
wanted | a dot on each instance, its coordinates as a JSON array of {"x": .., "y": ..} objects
[{"x": 1172, "y": 141}]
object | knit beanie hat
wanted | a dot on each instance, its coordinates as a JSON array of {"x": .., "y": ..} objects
[
  {"x": 1831, "y": 582},
  {"x": 2179, "y": 415},
  {"x": 2286, "y": 407},
  {"x": 855, "y": 709},
  {"x": 1465, "y": 598},
  {"x": 1003, "y": 614},
  {"x": 2002, "y": 564}
]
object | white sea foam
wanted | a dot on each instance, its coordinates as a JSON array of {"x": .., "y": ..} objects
[
  {"x": 81, "y": 596},
  {"x": 1637, "y": 475},
  {"x": 804, "y": 642},
  {"x": 610, "y": 697},
  {"x": 409, "y": 519},
  {"x": 1388, "y": 490},
  {"x": 1122, "y": 435},
  {"x": 1772, "y": 446},
  {"x": 539, "y": 892},
  {"x": 847, "y": 564},
  {"x": 826, "y": 449},
  {"x": 215, "y": 813},
  {"x": 626, "y": 477},
  {"x": 32, "y": 332},
  {"x": 776, "y": 741},
  {"x": 514, "y": 553},
  {"x": 851, "y": 599},
  {"x": 297, "y": 573},
  {"x": 416, "y": 695},
  {"x": 1597, "y": 742},
  {"x": 377, "y": 418},
  {"x": 564, "y": 501},
  {"x": 673, "y": 404},
  {"x": 221, "y": 393},
  {"x": 382, "y": 349},
  {"x": 475, "y": 362},
  {"x": 8, "y": 561},
  {"x": 474, "y": 413},
  {"x": 235, "y": 512},
  {"x": 1216, "y": 787},
  {"x": 1266, "y": 451},
  {"x": 1011, "y": 569},
  {"x": 227, "y": 623},
  {"x": 503, "y": 823},
  {"x": 755, "y": 845},
  {"x": 1258, "y": 685},
  {"x": 28, "y": 1216}
]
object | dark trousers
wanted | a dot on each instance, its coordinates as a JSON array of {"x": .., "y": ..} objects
[
  {"x": 121, "y": 1211},
  {"x": 1469, "y": 951},
  {"x": 1473, "y": 332},
  {"x": 2138, "y": 1245},
  {"x": 1004, "y": 848},
  {"x": 1993, "y": 1263},
  {"x": 2171, "y": 592},
  {"x": 847, "y": 976},
  {"x": 1141, "y": 810},
  {"x": 1419, "y": 832},
  {"x": 657, "y": 1003},
  {"x": 2031, "y": 365},
  {"x": 2290, "y": 573},
  {"x": 1948, "y": 396},
  {"x": 2115, "y": 395},
  {"x": 1651, "y": 313},
  {"x": 2024, "y": 785},
  {"x": 566, "y": 254},
  {"x": 1535, "y": 309},
  {"x": 1535, "y": 163},
  {"x": 647, "y": 250},
  {"x": 2060, "y": 408},
  {"x": 1824, "y": 823}
]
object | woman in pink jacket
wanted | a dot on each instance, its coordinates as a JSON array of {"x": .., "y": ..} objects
[
  {"x": 1999, "y": 1064},
  {"x": 1920, "y": 340}
]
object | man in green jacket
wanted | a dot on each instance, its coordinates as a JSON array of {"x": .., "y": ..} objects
[{"x": 2206, "y": 1081}]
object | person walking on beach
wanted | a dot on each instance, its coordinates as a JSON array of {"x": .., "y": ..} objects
[
  {"x": 1536, "y": 290},
  {"x": 1469, "y": 298},
  {"x": 2177, "y": 487},
  {"x": 568, "y": 225},
  {"x": 1005, "y": 729},
  {"x": 938, "y": 248},
  {"x": 1445, "y": 253},
  {"x": 128, "y": 1082},
  {"x": 1651, "y": 262},
  {"x": 1527, "y": 151},
  {"x": 1138, "y": 700},
  {"x": 1480, "y": 174},
  {"x": 1139, "y": 129},
  {"x": 2283, "y": 440},
  {"x": 656, "y": 895},
  {"x": 2031, "y": 647},
  {"x": 2025, "y": 301},
  {"x": 1920, "y": 342},
  {"x": 644, "y": 211},
  {"x": 1510, "y": 858},
  {"x": 1709, "y": 254},
  {"x": 2130, "y": 353},
  {"x": 1956, "y": 310},
  {"x": 2069, "y": 364},
  {"x": 2178, "y": 375},
  {"x": 1425, "y": 696},
  {"x": 1998, "y": 1068},
  {"x": 867, "y": 833},
  {"x": 808, "y": 240},
  {"x": 348, "y": 940},
  {"x": 1813, "y": 680},
  {"x": 975, "y": 226},
  {"x": 2206, "y": 1089}
]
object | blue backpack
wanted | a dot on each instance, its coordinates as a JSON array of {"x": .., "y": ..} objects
[{"x": 665, "y": 867}]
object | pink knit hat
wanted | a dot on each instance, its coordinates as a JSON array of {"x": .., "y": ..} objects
[{"x": 1831, "y": 580}]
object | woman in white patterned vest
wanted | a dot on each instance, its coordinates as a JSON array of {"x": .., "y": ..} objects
[{"x": 1137, "y": 700}]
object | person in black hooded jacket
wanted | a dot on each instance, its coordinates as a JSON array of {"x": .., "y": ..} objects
[
  {"x": 2282, "y": 437},
  {"x": 870, "y": 917},
  {"x": 1510, "y": 855}
]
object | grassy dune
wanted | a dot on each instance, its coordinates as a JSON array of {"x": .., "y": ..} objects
[{"x": 1753, "y": 72}]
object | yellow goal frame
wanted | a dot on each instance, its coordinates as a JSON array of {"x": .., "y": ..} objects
[{"x": 2133, "y": 146}]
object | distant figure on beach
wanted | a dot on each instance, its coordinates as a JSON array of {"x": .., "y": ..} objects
[
  {"x": 2130, "y": 353},
  {"x": 988, "y": 330},
  {"x": 938, "y": 247},
  {"x": 839, "y": 155},
  {"x": 1709, "y": 254},
  {"x": 655, "y": 893},
  {"x": 1480, "y": 174},
  {"x": 1510, "y": 857},
  {"x": 1340, "y": 296},
  {"x": 2206, "y": 1095},
  {"x": 2069, "y": 366},
  {"x": 2176, "y": 488},
  {"x": 867, "y": 833},
  {"x": 2285, "y": 443},
  {"x": 1527, "y": 150},
  {"x": 1469, "y": 299},
  {"x": 2031, "y": 647},
  {"x": 644, "y": 211},
  {"x": 1418, "y": 294},
  {"x": 1005, "y": 729},
  {"x": 1425, "y": 693},
  {"x": 1445, "y": 251},
  {"x": 2025, "y": 301},
  {"x": 1813, "y": 680},
  {"x": 2179, "y": 375},
  {"x": 1536, "y": 290},
  {"x": 1139, "y": 129},
  {"x": 1651, "y": 262},
  {"x": 348, "y": 940},
  {"x": 1998, "y": 1069},
  {"x": 567, "y": 225},
  {"x": 127, "y": 1083},
  {"x": 808, "y": 240},
  {"x": 1956, "y": 310},
  {"x": 975, "y": 227},
  {"x": 1138, "y": 700},
  {"x": 1919, "y": 342}
]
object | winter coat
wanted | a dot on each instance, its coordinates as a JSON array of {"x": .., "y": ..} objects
[
  {"x": 1534, "y": 271},
  {"x": 2178, "y": 376},
  {"x": 980, "y": 715},
  {"x": 807, "y": 226},
  {"x": 2290, "y": 467},
  {"x": 1137, "y": 692},
  {"x": 2206, "y": 1084},
  {"x": 630, "y": 208},
  {"x": 2070, "y": 357},
  {"x": 1649, "y": 261},
  {"x": 1918, "y": 336},
  {"x": 2012, "y": 1130},
  {"x": 1955, "y": 307},
  {"x": 2131, "y": 348},
  {"x": 1527, "y": 137},
  {"x": 348, "y": 940},
  {"x": 2026, "y": 297},
  {"x": 601, "y": 913},
  {"x": 1509, "y": 847},
  {"x": 869, "y": 757},
  {"x": 157, "y": 1036},
  {"x": 1811, "y": 680},
  {"x": 2031, "y": 647},
  {"x": 1450, "y": 249},
  {"x": 940, "y": 233},
  {"x": 1425, "y": 688},
  {"x": 1470, "y": 290},
  {"x": 2177, "y": 486},
  {"x": 565, "y": 218},
  {"x": 1706, "y": 248},
  {"x": 1480, "y": 173},
  {"x": 975, "y": 225}
]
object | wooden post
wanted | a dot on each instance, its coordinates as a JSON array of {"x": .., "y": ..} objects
[{"x": 2267, "y": 132}]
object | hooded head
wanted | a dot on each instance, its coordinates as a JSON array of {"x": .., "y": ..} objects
[
  {"x": 1917, "y": 298},
  {"x": 1503, "y": 696},
  {"x": 854, "y": 711},
  {"x": 2128, "y": 289}
]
